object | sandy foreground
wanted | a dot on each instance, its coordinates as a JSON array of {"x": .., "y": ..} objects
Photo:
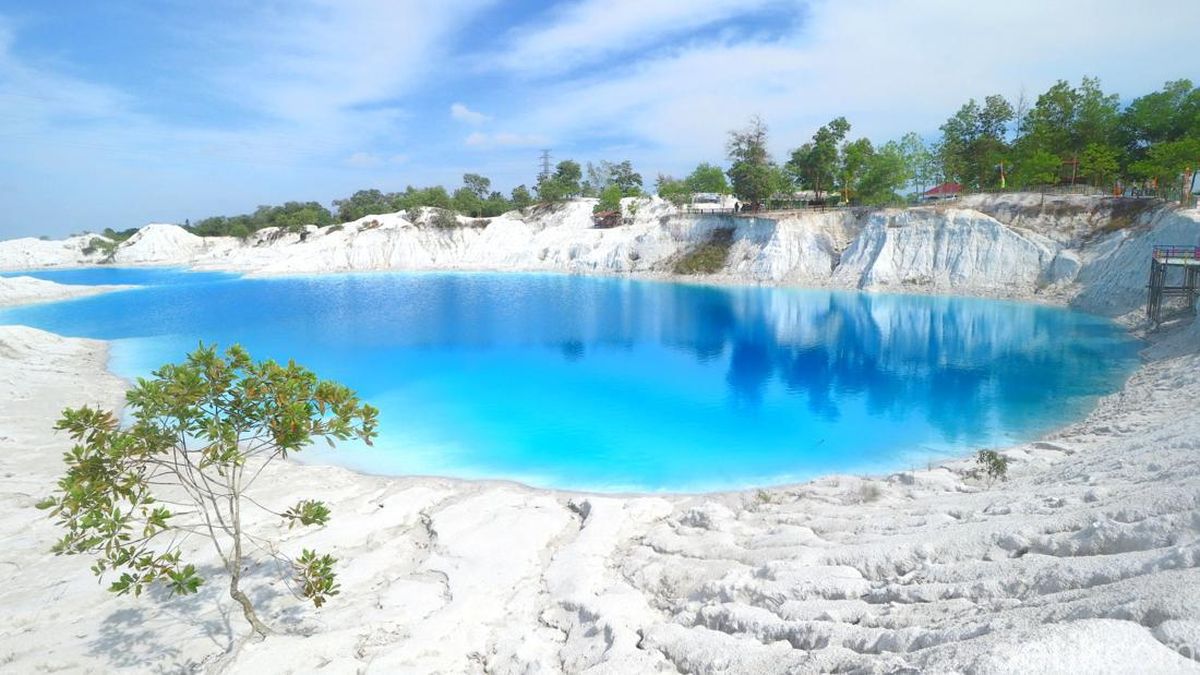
[{"x": 1084, "y": 561}]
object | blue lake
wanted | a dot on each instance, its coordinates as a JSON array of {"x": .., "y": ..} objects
[{"x": 614, "y": 384}]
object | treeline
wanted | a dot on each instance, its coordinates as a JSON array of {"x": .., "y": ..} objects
[
  {"x": 474, "y": 198},
  {"x": 1069, "y": 135}
]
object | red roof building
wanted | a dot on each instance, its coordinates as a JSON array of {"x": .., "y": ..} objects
[{"x": 943, "y": 191}]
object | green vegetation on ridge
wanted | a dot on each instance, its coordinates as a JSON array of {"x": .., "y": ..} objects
[{"x": 1077, "y": 135}]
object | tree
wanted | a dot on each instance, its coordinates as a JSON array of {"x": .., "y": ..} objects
[
  {"x": 1171, "y": 114},
  {"x": 678, "y": 192},
  {"x": 753, "y": 175},
  {"x": 856, "y": 155},
  {"x": 480, "y": 186},
  {"x": 464, "y": 200},
  {"x": 597, "y": 178},
  {"x": 610, "y": 200},
  {"x": 521, "y": 197},
  {"x": 973, "y": 142},
  {"x": 363, "y": 203},
  {"x": 202, "y": 431},
  {"x": 1065, "y": 120},
  {"x": 626, "y": 179},
  {"x": 1165, "y": 162},
  {"x": 885, "y": 172},
  {"x": 919, "y": 162},
  {"x": 1039, "y": 168},
  {"x": 496, "y": 204},
  {"x": 707, "y": 178},
  {"x": 562, "y": 184},
  {"x": 1098, "y": 163},
  {"x": 814, "y": 166},
  {"x": 291, "y": 216},
  {"x": 605, "y": 173}
]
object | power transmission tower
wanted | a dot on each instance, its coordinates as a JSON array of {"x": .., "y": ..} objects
[{"x": 545, "y": 172}]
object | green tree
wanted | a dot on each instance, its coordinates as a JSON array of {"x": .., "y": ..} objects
[
  {"x": 201, "y": 433},
  {"x": 678, "y": 192},
  {"x": 626, "y": 179},
  {"x": 814, "y": 165},
  {"x": 752, "y": 173},
  {"x": 464, "y": 200},
  {"x": 856, "y": 156},
  {"x": 1099, "y": 163},
  {"x": 973, "y": 142},
  {"x": 562, "y": 184},
  {"x": 521, "y": 197},
  {"x": 919, "y": 162},
  {"x": 1065, "y": 120},
  {"x": 495, "y": 204},
  {"x": 1039, "y": 168},
  {"x": 610, "y": 200},
  {"x": 605, "y": 173},
  {"x": 363, "y": 203},
  {"x": 1170, "y": 114},
  {"x": 480, "y": 186},
  {"x": 887, "y": 170},
  {"x": 707, "y": 178},
  {"x": 1165, "y": 162}
]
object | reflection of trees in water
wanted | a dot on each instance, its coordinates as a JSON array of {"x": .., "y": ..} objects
[{"x": 967, "y": 361}]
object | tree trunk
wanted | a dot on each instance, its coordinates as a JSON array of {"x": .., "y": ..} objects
[{"x": 247, "y": 607}]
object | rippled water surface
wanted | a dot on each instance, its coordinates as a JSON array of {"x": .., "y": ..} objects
[{"x": 612, "y": 384}]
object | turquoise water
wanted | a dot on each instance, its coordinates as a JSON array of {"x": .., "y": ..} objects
[{"x": 613, "y": 384}]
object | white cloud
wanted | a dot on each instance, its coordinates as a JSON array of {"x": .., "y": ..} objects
[
  {"x": 478, "y": 139},
  {"x": 585, "y": 31},
  {"x": 889, "y": 67},
  {"x": 308, "y": 83},
  {"x": 327, "y": 57},
  {"x": 462, "y": 113}
]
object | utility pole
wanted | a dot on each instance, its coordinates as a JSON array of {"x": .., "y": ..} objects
[{"x": 545, "y": 172}]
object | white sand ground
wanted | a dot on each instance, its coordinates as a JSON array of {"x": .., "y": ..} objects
[
  {"x": 24, "y": 290},
  {"x": 1085, "y": 561}
]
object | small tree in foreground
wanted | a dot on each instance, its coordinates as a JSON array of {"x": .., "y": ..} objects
[
  {"x": 992, "y": 465},
  {"x": 202, "y": 431}
]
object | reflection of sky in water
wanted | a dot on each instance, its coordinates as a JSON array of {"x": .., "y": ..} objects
[{"x": 609, "y": 383}]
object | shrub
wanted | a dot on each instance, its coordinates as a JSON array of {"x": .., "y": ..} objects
[
  {"x": 992, "y": 465},
  {"x": 202, "y": 431},
  {"x": 709, "y": 257},
  {"x": 444, "y": 219},
  {"x": 102, "y": 246},
  {"x": 869, "y": 492}
]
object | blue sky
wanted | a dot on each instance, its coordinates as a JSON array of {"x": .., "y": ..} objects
[{"x": 120, "y": 113}]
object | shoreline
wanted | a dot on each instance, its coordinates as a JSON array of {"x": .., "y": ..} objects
[
  {"x": 697, "y": 527},
  {"x": 1087, "y": 559},
  {"x": 954, "y": 459}
]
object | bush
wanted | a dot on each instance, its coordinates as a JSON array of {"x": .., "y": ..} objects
[
  {"x": 444, "y": 219},
  {"x": 709, "y": 257},
  {"x": 991, "y": 465},
  {"x": 102, "y": 246},
  {"x": 201, "y": 433}
]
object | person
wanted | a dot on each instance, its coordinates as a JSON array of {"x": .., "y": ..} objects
[{"x": 737, "y": 207}]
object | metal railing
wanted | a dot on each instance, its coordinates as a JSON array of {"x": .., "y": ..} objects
[
  {"x": 1186, "y": 252},
  {"x": 765, "y": 211}
]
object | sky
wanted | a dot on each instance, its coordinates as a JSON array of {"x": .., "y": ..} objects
[{"x": 123, "y": 112}]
